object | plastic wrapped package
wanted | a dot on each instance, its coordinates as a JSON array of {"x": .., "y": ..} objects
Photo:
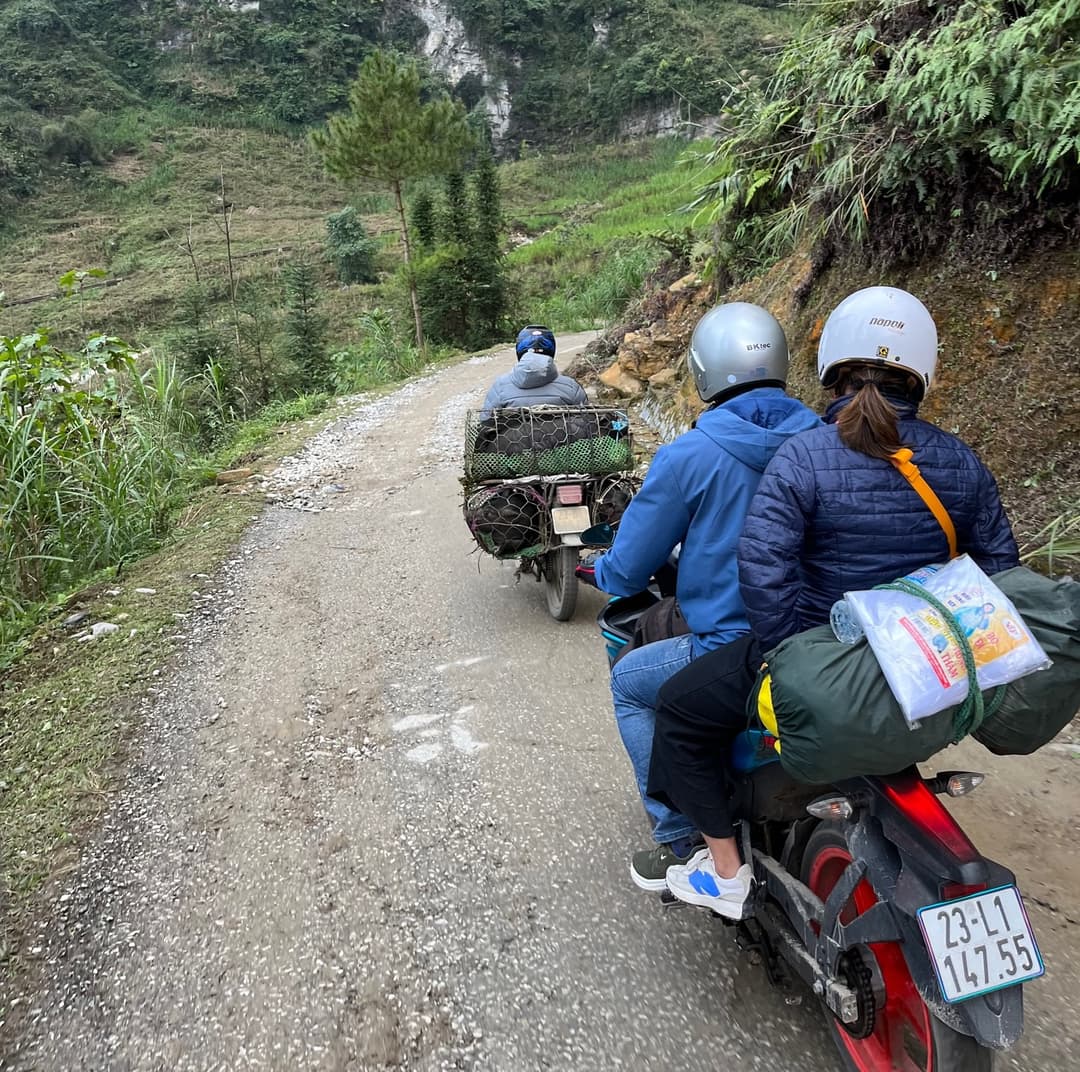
[{"x": 917, "y": 650}]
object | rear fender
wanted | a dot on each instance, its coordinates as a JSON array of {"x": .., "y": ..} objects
[{"x": 906, "y": 877}]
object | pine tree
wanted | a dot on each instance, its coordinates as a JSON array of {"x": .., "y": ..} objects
[
  {"x": 390, "y": 135},
  {"x": 456, "y": 223},
  {"x": 305, "y": 327},
  {"x": 486, "y": 264},
  {"x": 349, "y": 245},
  {"x": 487, "y": 201},
  {"x": 423, "y": 220}
]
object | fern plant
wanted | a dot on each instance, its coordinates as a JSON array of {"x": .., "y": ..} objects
[{"x": 890, "y": 118}]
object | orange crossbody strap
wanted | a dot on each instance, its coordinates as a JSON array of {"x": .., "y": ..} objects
[{"x": 910, "y": 472}]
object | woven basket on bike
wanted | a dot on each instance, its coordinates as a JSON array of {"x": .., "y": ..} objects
[{"x": 503, "y": 444}]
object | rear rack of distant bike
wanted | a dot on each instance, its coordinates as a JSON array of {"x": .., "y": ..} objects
[{"x": 517, "y": 463}]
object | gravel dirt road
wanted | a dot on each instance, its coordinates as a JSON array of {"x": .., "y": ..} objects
[{"x": 379, "y": 818}]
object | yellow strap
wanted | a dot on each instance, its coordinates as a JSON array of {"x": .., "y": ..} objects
[
  {"x": 910, "y": 472},
  {"x": 765, "y": 710}
]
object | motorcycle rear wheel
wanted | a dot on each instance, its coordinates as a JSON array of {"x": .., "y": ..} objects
[
  {"x": 906, "y": 1037},
  {"x": 560, "y": 582}
]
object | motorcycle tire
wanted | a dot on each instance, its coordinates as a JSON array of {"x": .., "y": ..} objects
[
  {"x": 560, "y": 582},
  {"x": 906, "y": 1035}
]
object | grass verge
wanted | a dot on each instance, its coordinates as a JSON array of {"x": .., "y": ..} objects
[{"x": 67, "y": 707}]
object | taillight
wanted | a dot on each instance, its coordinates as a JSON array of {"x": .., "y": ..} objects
[
  {"x": 570, "y": 494},
  {"x": 910, "y": 796},
  {"x": 953, "y": 891}
]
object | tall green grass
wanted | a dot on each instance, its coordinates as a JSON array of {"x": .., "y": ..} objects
[
  {"x": 595, "y": 214},
  {"x": 384, "y": 355},
  {"x": 1057, "y": 545},
  {"x": 92, "y": 461},
  {"x": 600, "y": 297}
]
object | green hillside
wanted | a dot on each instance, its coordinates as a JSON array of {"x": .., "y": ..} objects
[{"x": 75, "y": 73}]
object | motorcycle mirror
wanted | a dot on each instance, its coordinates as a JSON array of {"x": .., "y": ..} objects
[{"x": 598, "y": 536}]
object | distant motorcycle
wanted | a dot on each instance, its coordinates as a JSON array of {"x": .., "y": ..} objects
[
  {"x": 536, "y": 478},
  {"x": 871, "y": 894}
]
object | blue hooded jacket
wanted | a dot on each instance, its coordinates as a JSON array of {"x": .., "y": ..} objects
[
  {"x": 828, "y": 520},
  {"x": 696, "y": 493}
]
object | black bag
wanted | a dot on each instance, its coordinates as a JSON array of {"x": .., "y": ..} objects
[{"x": 661, "y": 621}]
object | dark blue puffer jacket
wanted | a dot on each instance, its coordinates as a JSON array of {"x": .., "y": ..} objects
[{"x": 828, "y": 520}]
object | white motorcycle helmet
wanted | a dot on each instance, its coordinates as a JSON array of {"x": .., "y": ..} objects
[{"x": 879, "y": 326}]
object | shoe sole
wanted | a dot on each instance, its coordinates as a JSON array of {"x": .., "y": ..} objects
[
  {"x": 742, "y": 910},
  {"x": 649, "y": 885}
]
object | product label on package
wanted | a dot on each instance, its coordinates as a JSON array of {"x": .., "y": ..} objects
[
  {"x": 991, "y": 631},
  {"x": 918, "y": 654}
]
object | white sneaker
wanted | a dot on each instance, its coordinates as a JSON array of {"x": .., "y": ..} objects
[{"x": 696, "y": 882}]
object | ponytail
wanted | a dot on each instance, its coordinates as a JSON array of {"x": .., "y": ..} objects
[{"x": 868, "y": 422}]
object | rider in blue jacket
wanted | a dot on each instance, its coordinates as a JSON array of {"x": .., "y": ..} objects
[{"x": 696, "y": 494}]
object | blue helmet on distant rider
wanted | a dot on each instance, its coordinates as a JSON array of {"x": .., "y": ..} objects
[{"x": 536, "y": 339}]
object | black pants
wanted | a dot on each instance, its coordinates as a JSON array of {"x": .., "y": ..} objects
[{"x": 701, "y": 711}]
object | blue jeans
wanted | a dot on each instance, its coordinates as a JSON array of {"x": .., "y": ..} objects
[{"x": 636, "y": 680}]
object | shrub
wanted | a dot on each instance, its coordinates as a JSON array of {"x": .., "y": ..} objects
[
  {"x": 93, "y": 457},
  {"x": 382, "y": 356},
  {"x": 73, "y": 140},
  {"x": 305, "y": 326},
  {"x": 349, "y": 247}
]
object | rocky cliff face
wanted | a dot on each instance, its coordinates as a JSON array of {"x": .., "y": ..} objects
[
  {"x": 1008, "y": 379},
  {"x": 450, "y": 51}
]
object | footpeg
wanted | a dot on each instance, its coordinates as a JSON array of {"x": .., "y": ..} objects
[{"x": 669, "y": 900}]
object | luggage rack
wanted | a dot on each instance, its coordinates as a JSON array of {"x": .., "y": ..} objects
[{"x": 508, "y": 444}]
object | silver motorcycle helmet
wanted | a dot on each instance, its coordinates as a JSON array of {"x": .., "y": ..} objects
[
  {"x": 879, "y": 326},
  {"x": 736, "y": 346}
]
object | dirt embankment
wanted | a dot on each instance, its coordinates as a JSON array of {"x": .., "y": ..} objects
[{"x": 1008, "y": 381}]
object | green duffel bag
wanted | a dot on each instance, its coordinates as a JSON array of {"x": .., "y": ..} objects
[
  {"x": 836, "y": 717},
  {"x": 1038, "y": 707}
]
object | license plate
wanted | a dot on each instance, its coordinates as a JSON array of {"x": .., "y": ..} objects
[
  {"x": 570, "y": 519},
  {"x": 981, "y": 943}
]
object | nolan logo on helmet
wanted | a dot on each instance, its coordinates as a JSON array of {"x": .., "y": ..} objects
[{"x": 879, "y": 322}]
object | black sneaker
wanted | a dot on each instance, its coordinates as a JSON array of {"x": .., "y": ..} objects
[{"x": 649, "y": 869}]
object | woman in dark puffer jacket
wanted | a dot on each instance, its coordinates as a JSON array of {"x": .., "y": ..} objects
[{"x": 832, "y": 514}]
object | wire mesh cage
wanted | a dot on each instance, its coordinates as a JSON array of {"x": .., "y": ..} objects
[
  {"x": 509, "y": 520},
  {"x": 546, "y": 441},
  {"x": 612, "y": 497}
]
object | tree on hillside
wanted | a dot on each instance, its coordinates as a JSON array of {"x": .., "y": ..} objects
[
  {"x": 305, "y": 327},
  {"x": 487, "y": 201},
  {"x": 353, "y": 252},
  {"x": 456, "y": 223},
  {"x": 423, "y": 220},
  {"x": 390, "y": 135},
  {"x": 485, "y": 250},
  {"x": 461, "y": 280}
]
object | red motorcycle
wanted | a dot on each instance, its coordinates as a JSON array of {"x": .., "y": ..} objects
[{"x": 870, "y": 893}]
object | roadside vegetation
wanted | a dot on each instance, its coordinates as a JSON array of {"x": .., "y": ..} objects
[
  {"x": 100, "y": 450},
  {"x": 903, "y": 127},
  {"x": 930, "y": 141}
]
